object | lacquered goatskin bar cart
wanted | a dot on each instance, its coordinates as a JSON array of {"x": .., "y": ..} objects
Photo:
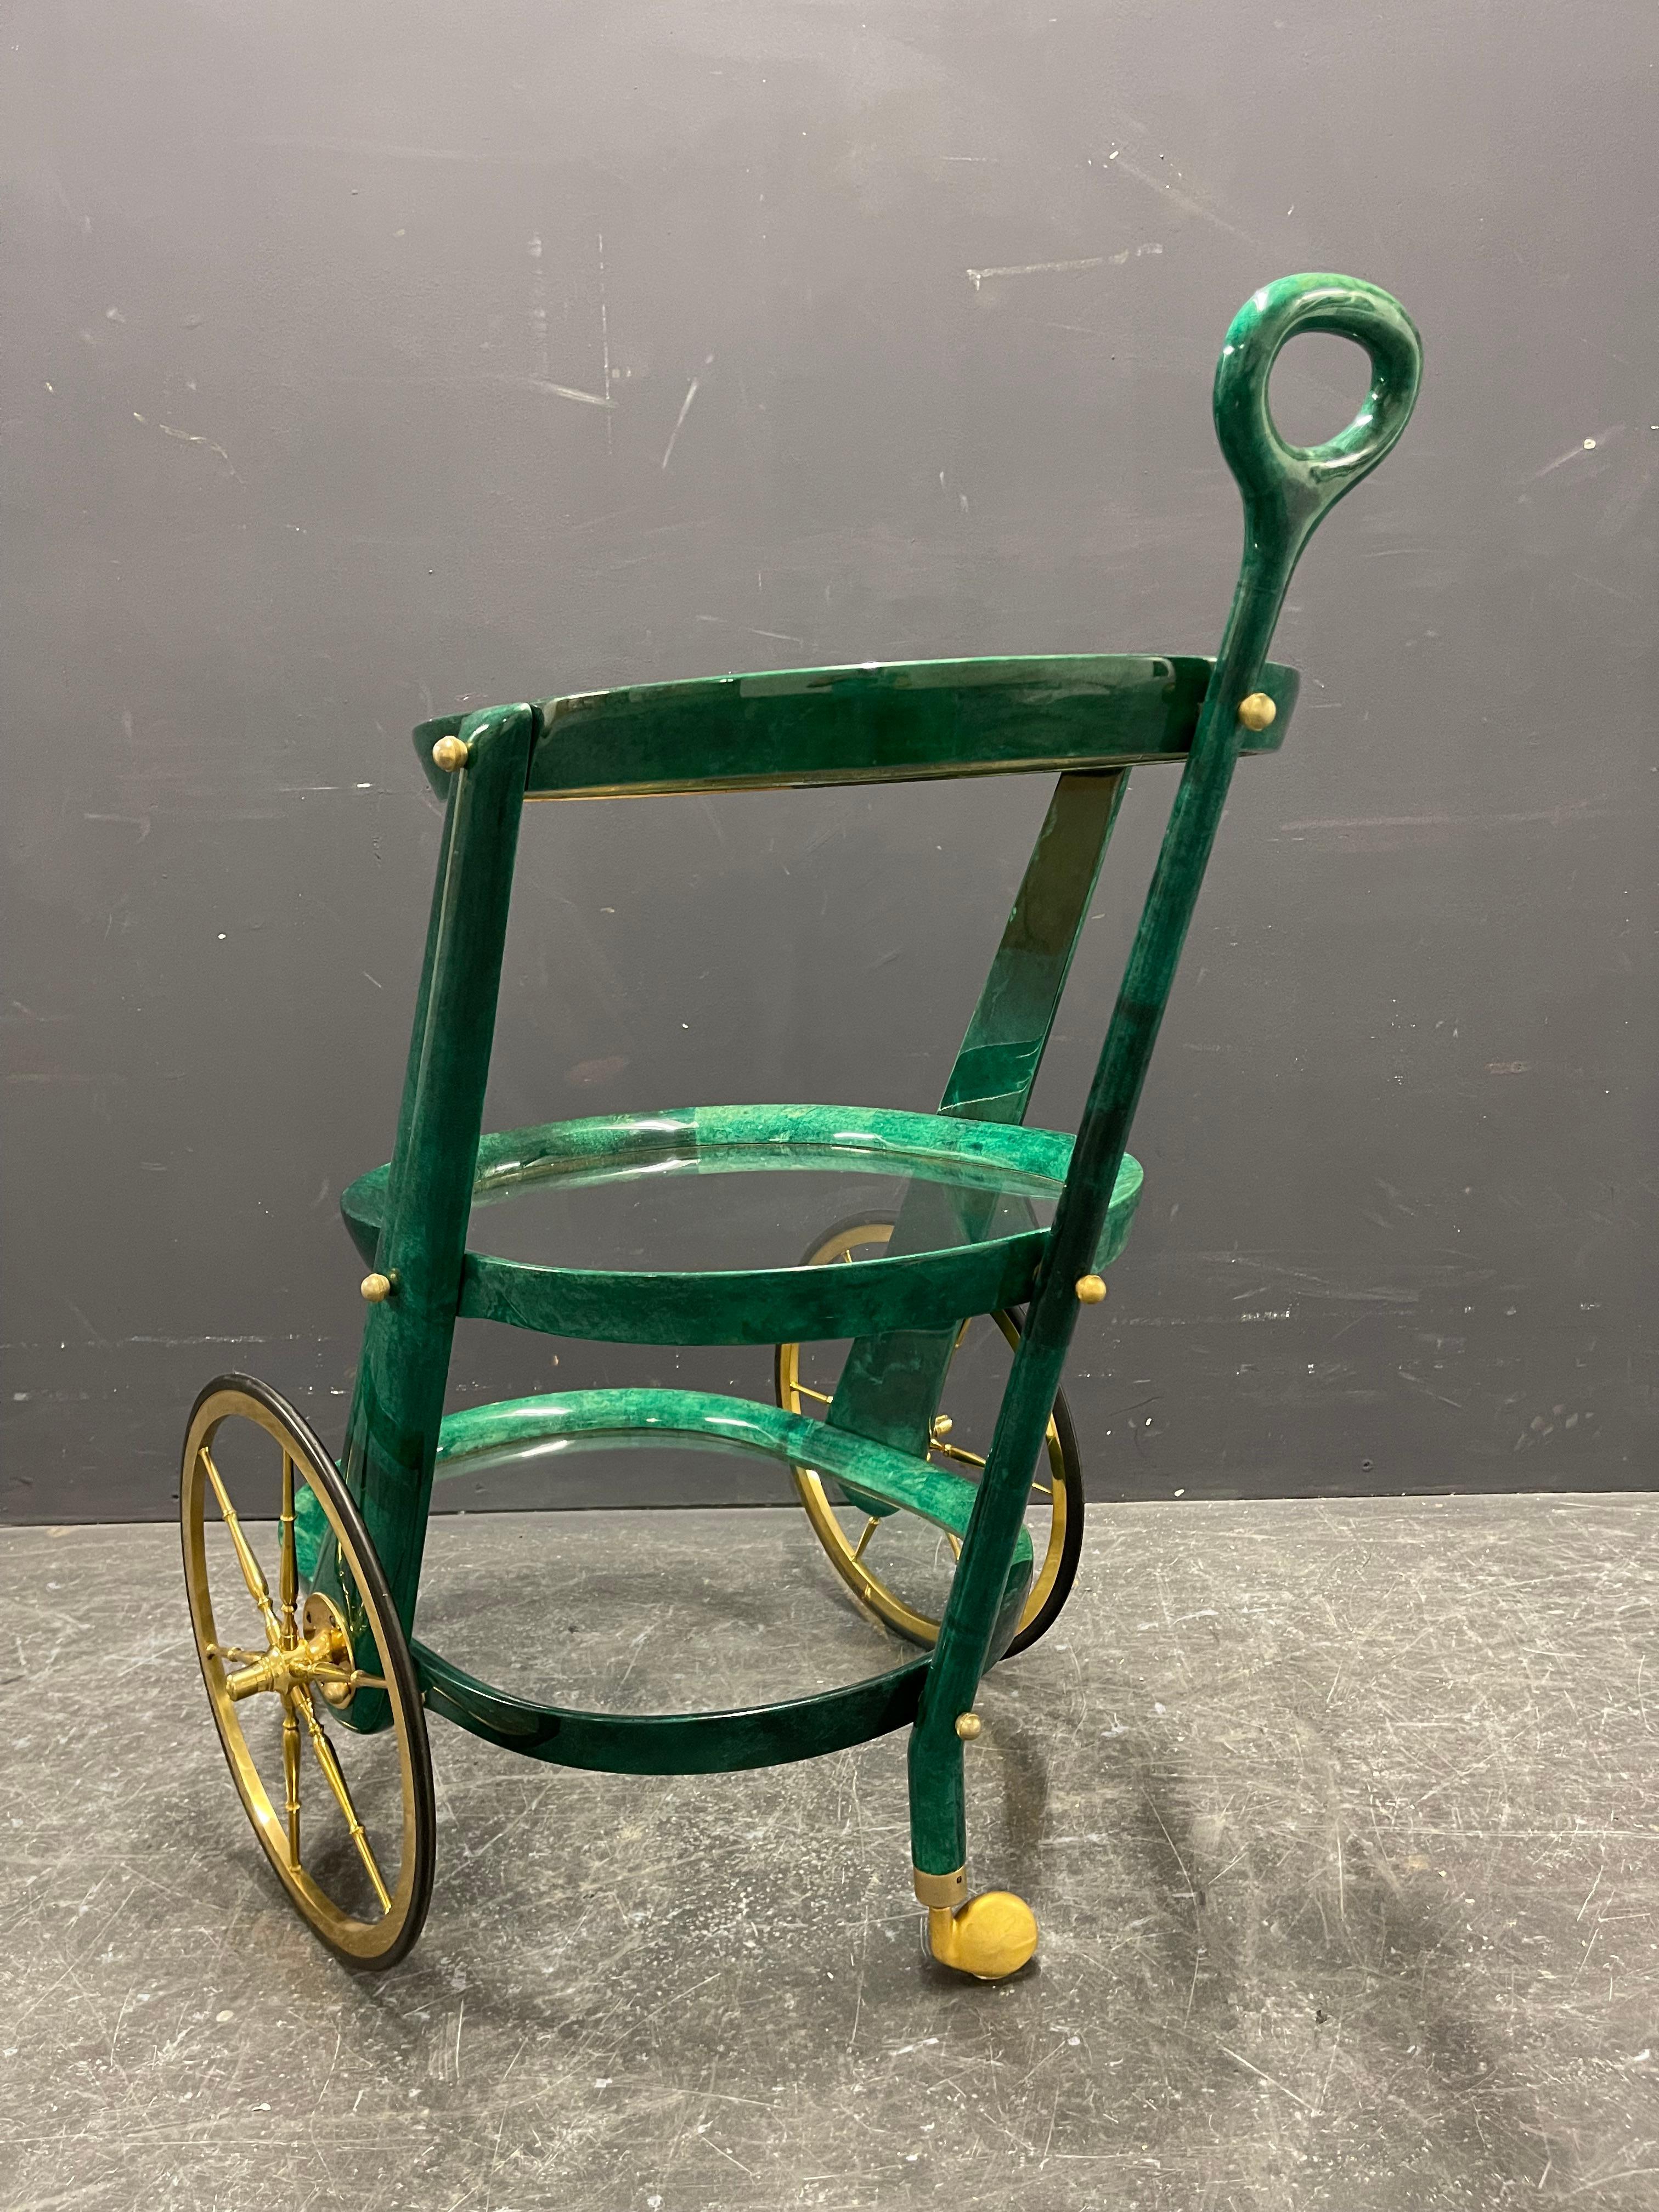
[{"x": 322, "y": 1704}]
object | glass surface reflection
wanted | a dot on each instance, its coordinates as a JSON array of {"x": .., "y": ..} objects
[{"x": 733, "y": 1207}]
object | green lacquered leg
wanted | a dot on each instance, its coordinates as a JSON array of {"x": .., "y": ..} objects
[
  {"x": 994, "y": 1934},
  {"x": 938, "y": 1816},
  {"x": 393, "y": 1435}
]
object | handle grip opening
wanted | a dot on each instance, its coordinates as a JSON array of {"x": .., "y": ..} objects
[{"x": 1288, "y": 489}]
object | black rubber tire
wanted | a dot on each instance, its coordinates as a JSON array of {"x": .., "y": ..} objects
[{"x": 1071, "y": 1549}]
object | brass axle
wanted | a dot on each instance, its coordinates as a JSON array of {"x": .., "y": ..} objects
[{"x": 323, "y": 1657}]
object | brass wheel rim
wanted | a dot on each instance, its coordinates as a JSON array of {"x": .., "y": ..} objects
[
  {"x": 846, "y": 1555},
  {"x": 308, "y": 1666}
]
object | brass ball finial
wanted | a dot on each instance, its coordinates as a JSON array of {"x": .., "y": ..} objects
[
  {"x": 943, "y": 1424},
  {"x": 450, "y": 754},
  {"x": 967, "y": 1726},
  {"x": 1090, "y": 1289},
  {"x": 375, "y": 1288},
  {"x": 1258, "y": 711}
]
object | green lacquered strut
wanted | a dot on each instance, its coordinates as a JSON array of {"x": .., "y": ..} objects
[{"x": 969, "y": 1238}]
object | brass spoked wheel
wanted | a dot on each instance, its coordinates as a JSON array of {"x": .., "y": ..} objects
[
  {"x": 346, "y": 1817},
  {"x": 891, "y": 1563}
]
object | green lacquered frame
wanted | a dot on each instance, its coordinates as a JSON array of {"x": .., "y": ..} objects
[{"x": 972, "y": 1249}]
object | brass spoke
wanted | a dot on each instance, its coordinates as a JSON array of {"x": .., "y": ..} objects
[
  {"x": 823, "y": 1396},
  {"x": 870, "y": 1528},
  {"x": 336, "y": 1783},
  {"x": 290, "y": 1565},
  {"x": 346, "y": 1678},
  {"x": 291, "y": 1777},
  {"x": 956, "y": 1451},
  {"x": 252, "y": 1575}
]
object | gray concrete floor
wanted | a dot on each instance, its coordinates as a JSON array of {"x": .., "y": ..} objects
[{"x": 1341, "y": 1825}]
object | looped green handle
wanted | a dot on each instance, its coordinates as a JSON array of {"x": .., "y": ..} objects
[{"x": 1288, "y": 489}]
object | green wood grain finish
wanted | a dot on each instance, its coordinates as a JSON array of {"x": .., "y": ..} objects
[
  {"x": 1288, "y": 490},
  {"x": 517, "y": 1428},
  {"x": 755, "y": 1305},
  {"x": 883, "y": 722},
  {"x": 712, "y": 1742},
  {"x": 760, "y": 1306},
  {"x": 605, "y": 1148},
  {"x": 1285, "y": 491},
  {"x": 721, "y": 1140},
  {"x": 1000, "y": 1054},
  {"x": 671, "y": 1743},
  {"x": 891, "y": 1378}
]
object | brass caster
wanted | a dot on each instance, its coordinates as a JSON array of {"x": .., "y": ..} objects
[{"x": 990, "y": 1937}]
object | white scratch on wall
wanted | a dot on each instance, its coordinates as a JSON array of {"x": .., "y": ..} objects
[
  {"x": 977, "y": 276},
  {"x": 685, "y": 409}
]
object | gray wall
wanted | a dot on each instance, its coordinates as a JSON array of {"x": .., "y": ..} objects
[{"x": 296, "y": 299}]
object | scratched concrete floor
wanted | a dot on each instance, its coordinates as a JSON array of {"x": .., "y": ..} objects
[{"x": 1341, "y": 1823}]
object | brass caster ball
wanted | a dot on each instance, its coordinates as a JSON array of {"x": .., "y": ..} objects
[{"x": 990, "y": 1937}]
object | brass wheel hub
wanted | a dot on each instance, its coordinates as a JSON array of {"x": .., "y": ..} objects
[
  {"x": 324, "y": 1631},
  {"x": 321, "y": 1654}
]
